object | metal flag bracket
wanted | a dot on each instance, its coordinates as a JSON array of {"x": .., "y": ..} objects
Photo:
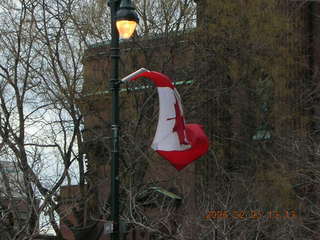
[{"x": 131, "y": 75}]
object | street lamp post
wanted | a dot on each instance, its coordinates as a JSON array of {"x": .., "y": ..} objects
[{"x": 123, "y": 20}]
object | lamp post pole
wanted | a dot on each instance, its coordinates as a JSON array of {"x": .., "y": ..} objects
[
  {"x": 114, "y": 87},
  {"x": 124, "y": 20}
]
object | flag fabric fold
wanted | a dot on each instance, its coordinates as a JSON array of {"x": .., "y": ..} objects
[{"x": 176, "y": 141}]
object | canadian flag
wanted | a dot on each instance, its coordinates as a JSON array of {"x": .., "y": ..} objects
[{"x": 176, "y": 141}]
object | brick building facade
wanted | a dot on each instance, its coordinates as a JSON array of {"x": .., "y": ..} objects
[{"x": 180, "y": 60}]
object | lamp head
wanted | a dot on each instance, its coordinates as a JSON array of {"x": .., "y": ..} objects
[{"x": 126, "y": 19}]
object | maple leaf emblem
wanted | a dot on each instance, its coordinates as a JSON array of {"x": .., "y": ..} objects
[{"x": 179, "y": 125}]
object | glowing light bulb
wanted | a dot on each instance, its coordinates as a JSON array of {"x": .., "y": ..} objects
[{"x": 126, "y": 28}]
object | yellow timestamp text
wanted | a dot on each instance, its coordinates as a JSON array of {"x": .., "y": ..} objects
[{"x": 252, "y": 214}]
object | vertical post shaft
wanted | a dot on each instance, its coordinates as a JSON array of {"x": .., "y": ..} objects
[{"x": 114, "y": 87}]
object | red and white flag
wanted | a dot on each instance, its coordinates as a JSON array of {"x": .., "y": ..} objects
[{"x": 176, "y": 141}]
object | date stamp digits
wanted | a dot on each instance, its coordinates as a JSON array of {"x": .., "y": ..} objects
[{"x": 255, "y": 214}]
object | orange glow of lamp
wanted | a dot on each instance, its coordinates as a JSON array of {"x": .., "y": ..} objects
[{"x": 127, "y": 19}]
